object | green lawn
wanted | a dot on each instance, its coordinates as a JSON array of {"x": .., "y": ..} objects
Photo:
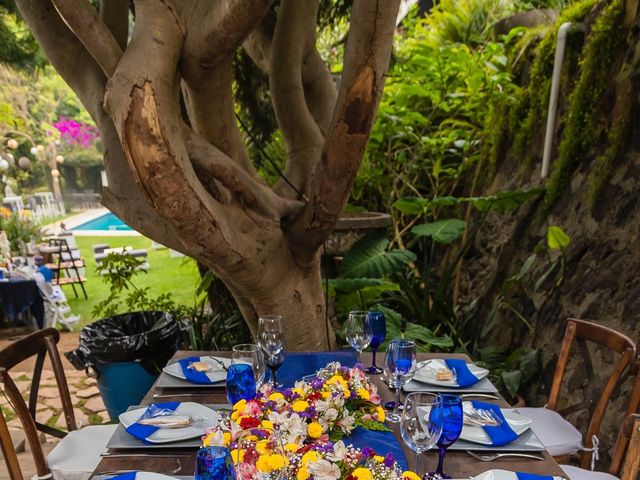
[{"x": 178, "y": 276}]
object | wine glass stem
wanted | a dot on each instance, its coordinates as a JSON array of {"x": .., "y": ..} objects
[
  {"x": 419, "y": 463},
  {"x": 373, "y": 351},
  {"x": 441, "y": 452},
  {"x": 397, "y": 402},
  {"x": 273, "y": 376}
]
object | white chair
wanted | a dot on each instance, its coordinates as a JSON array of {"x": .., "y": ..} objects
[
  {"x": 78, "y": 453},
  {"x": 558, "y": 436},
  {"x": 57, "y": 309}
]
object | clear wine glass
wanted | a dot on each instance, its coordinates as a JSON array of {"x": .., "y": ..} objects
[
  {"x": 357, "y": 331},
  {"x": 399, "y": 367},
  {"x": 251, "y": 354},
  {"x": 272, "y": 344},
  {"x": 417, "y": 432}
]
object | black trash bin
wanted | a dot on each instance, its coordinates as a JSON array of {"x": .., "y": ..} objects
[{"x": 126, "y": 352}]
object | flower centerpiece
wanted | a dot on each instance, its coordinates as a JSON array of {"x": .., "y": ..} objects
[{"x": 297, "y": 432}]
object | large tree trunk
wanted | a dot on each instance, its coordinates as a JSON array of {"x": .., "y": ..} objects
[{"x": 188, "y": 182}]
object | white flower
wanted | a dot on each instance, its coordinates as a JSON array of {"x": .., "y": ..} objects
[
  {"x": 292, "y": 426},
  {"x": 339, "y": 452},
  {"x": 346, "y": 424},
  {"x": 323, "y": 470}
]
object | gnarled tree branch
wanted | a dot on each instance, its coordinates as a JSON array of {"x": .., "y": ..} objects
[
  {"x": 115, "y": 15},
  {"x": 84, "y": 22},
  {"x": 366, "y": 62},
  {"x": 296, "y": 22},
  {"x": 217, "y": 30},
  {"x": 252, "y": 192},
  {"x": 210, "y": 106}
]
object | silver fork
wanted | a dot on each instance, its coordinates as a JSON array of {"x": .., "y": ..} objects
[
  {"x": 494, "y": 456},
  {"x": 219, "y": 362}
]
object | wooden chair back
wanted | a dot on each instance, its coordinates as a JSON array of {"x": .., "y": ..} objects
[
  {"x": 627, "y": 448},
  {"x": 626, "y": 431},
  {"x": 38, "y": 345},
  {"x": 616, "y": 341}
]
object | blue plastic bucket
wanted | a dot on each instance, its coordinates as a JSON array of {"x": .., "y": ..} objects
[{"x": 123, "y": 384}]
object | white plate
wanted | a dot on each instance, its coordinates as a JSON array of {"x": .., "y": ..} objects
[
  {"x": 501, "y": 475},
  {"x": 152, "y": 476},
  {"x": 216, "y": 374},
  {"x": 203, "y": 417},
  {"x": 426, "y": 373},
  {"x": 476, "y": 434}
]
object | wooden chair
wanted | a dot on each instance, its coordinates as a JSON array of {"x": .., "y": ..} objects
[
  {"x": 38, "y": 345},
  {"x": 548, "y": 424},
  {"x": 627, "y": 449}
]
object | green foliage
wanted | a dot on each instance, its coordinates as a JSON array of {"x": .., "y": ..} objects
[
  {"x": 557, "y": 239},
  {"x": 20, "y": 230},
  {"x": 19, "y": 48},
  {"x": 441, "y": 231},
  {"x": 585, "y": 102},
  {"x": 369, "y": 258}
]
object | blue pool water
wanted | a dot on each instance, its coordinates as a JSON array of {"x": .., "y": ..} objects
[{"x": 108, "y": 221}]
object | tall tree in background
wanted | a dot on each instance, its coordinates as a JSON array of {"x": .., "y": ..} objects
[{"x": 181, "y": 175}]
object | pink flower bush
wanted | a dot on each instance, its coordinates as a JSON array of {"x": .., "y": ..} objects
[{"x": 76, "y": 133}]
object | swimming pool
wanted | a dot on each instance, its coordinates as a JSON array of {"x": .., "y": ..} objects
[{"x": 108, "y": 221}]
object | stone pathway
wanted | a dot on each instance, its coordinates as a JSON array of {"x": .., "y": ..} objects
[{"x": 88, "y": 409}]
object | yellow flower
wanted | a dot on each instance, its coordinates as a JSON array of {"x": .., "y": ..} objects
[
  {"x": 251, "y": 438},
  {"x": 276, "y": 461},
  {"x": 240, "y": 405},
  {"x": 298, "y": 391},
  {"x": 310, "y": 456},
  {"x": 325, "y": 394},
  {"x": 292, "y": 447},
  {"x": 267, "y": 424},
  {"x": 337, "y": 379},
  {"x": 275, "y": 396},
  {"x": 263, "y": 463},
  {"x": 362, "y": 474},
  {"x": 314, "y": 430},
  {"x": 380, "y": 413},
  {"x": 364, "y": 394},
  {"x": 235, "y": 415},
  {"x": 234, "y": 455},
  {"x": 226, "y": 438},
  {"x": 300, "y": 406},
  {"x": 303, "y": 474},
  {"x": 262, "y": 447},
  {"x": 207, "y": 440},
  {"x": 346, "y": 392},
  {"x": 409, "y": 475},
  {"x": 379, "y": 458}
]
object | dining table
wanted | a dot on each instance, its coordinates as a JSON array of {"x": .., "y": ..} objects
[{"x": 458, "y": 464}]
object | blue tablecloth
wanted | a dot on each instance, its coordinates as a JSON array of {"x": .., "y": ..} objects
[
  {"x": 300, "y": 364},
  {"x": 17, "y": 296}
]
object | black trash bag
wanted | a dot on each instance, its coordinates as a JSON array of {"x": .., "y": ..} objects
[{"x": 150, "y": 338}]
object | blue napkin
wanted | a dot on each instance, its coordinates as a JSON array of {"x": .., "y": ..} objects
[
  {"x": 500, "y": 435},
  {"x": 300, "y": 364},
  {"x": 381, "y": 442},
  {"x": 532, "y": 476},
  {"x": 142, "y": 432},
  {"x": 125, "y": 476},
  {"x": 193, "y": 375},
  {"x": 463, "y": 374}
]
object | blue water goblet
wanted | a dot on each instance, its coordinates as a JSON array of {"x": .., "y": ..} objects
[
  {"x": 399, "y": 367},
  {"x": 241, "y": 383},
  {"x": 214, "y": 463},
  {"x": 447, "y": 414},
  {"x": 378, "y": 327}
]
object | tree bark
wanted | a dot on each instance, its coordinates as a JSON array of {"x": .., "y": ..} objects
[{"x": 188, "y": 182}]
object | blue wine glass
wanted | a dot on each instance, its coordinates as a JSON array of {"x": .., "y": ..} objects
[
  {"x": 214, "y": 463},
  {"x": 447, "y": 414},
  {"x": 378, "y": 327},
  {"x": 241, "y": 383},
  {"x": 399, "y": 367}
]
